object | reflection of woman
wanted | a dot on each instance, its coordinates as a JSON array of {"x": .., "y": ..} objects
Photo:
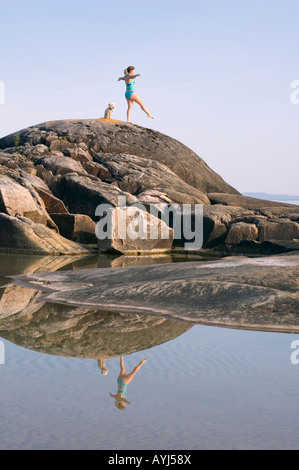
[
  {"x": 102, "y": 365},
  {"x": 122, "y": 383},
  {"x": 131, "y": 94}
]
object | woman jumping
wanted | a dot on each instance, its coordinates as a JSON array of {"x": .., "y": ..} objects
[{"x": 131, "y": 94}]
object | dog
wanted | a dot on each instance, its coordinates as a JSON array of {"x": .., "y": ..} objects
[{"x": 109, "y": 110}]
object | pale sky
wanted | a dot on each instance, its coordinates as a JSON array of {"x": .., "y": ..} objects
[{"x": 216, "y": 74}]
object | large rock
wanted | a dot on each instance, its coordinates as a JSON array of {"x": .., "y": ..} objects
[
  {"x": 277, "y": 230},
  {"x": 82, "y": 195},
  {"x": 23, "y": 235},
  {"x": 115, "y": 138},
  {"x": 136, "y": 175},
  {"x": 73, "y": 166},
  {"x": 18, "y": 200},
  {"x": 130, "y": 230},
  {"x": 77, "y": 227}
]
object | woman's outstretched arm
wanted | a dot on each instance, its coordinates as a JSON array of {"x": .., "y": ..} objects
[{"x": 130, "y": 77}]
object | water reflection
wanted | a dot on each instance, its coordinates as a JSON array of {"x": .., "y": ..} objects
[
  {"x": 102, "y": 365},
  {"x": 123, "y": 381},
  {"x": 14, "y": 264},
  {"x": 73, "y": 331},
  {"x": 66, "y": 331},
  {"x": 78, "y": 332}
]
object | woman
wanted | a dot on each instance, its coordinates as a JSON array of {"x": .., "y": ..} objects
[
  {"x": 131, "y": 94},
  {"x": 122, "y": 382}
]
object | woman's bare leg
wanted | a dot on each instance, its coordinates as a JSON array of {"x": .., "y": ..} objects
[
  {"x": 122, "y": 367},
  {"x": 130, "y": 106},
  {"x": 135, "y": 97},
  {"x": 127, "y": 378}
]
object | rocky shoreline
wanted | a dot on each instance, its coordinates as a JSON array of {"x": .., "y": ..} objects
[
  {"x": 54, "y": 175},
  {"x": 235, "y": 292}
]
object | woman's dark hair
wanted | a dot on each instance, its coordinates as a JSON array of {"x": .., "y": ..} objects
[{"x": 129, "y": 69}]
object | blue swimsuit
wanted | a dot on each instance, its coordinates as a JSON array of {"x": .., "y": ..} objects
[
  {"x": 130, "y": 89},
  {"x": 122, "y": 387}
]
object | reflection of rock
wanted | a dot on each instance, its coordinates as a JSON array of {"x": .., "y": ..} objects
[
  {"x": 71, "y": 331},
  {"x": 260, "y": 293},
  {"x": 14, "y": 299},
  {"x": 12, "y": 263},
  {"x": 80, "y": 332},
  {"x": 140, "y": 260}
]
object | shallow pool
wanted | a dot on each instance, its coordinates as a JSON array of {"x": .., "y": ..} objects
[{"x": 202, "y": 387}]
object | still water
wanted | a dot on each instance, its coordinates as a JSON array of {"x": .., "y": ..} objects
[{"x": 202, "y": 387}]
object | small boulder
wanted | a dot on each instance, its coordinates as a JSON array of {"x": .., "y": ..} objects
[
  {"x": 61, "y": 144},
  {"x": 97, "y": 169},
  {"x": 62, "y": 165},
  {"x": 77, "y": 227},
  {"x": 134, "y": 231},
  {"x": 216, "y": 221},
  {"x": 241, "y": 231},
  {"x": 277, "y": 230},
  {"x": 78, "y": 154},
  {"x": 53, "y": 204}
]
